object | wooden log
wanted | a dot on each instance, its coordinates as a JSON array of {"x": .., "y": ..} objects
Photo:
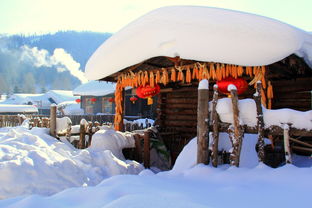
[
  {"x": 300, "y": 142},
  {"x": 286, "y": 144},
  {"x": 260, "y": 122},
  {"x": 237, "y": 135},
  {"x": 215, "y": 127},
  {"x": 146, "y": 149},
  {"x": 53, "y": 120},
  {"x": 82, "y": 136},
  {"x": 202, "y": 122},
  {"x": 138, "y": 149},
  {"x": 302, "y": 149}
]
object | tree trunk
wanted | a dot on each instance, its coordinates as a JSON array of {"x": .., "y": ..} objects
[{"x": 260, "y": 123}]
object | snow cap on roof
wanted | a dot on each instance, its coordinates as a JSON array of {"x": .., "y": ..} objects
[
  {"x": 199, "y": 33},
  {"x": 94, "y": 88}
]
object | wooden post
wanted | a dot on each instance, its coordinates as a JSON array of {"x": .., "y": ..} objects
[
  {"x": 146, "y": 149},
  {"x": 53, "y": 120},
  {"x": 82, "y": 140},
  {"x": 215, "y": 127},
  {"x": 237, "y": 137},
  {"x": 202, "y": 122},
  {"x": 138, "y": 148},
  {"x": 286, "y": 144},
  {"x": 260, "y": 122}
]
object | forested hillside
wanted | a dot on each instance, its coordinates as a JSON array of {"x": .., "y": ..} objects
[{"x": 34, "y": 64}]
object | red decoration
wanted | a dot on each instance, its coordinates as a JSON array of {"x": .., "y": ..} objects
[
  {"x": 93, "y": 99},
  {"x": 147, "y": 91},
  {"x": 240, "y": 84},
  {"x": 78, "y": 100},
  {"x": 111, "y": 100},
  {"x": 133, "y": 99}
]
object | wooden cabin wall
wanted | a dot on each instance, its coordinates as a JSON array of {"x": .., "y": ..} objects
[{"x": 294, "y": 94}]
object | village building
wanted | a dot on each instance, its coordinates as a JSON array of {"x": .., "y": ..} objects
[
  {"x": 174, "y": 48},
  {"x": 97, "y": 98}
]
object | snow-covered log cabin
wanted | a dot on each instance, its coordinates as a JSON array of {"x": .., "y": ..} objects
[{"x": 173, "y": 48}]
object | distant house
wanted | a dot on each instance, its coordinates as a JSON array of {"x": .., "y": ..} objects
[
  {"x": 18, "y": 109},
  {"x": 41, "y": 101},
  {"x": 98, "y": 98}
]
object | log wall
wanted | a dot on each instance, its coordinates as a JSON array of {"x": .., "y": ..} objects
[{"x": 294, "y": 94}]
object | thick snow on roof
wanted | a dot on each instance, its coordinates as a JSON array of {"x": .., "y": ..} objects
[
  {"x": 94, "y": 88},
  {"x": 18, "y": 109},
  {"x": 42, "y": 101},
  {"x": 203, "y": 34}
]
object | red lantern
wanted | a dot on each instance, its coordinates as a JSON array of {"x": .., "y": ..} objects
[
  {"x": 133, "y": 99},
  {"x": 78, "y": 100},
  {"x": 148, "y": 92},
  {"x": 93, "y": 100},
  {"x": 239, "y": 83},
  {"x": 111, "y": 100}
]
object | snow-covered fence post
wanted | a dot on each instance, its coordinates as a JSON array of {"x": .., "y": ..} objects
[
  {"x": 202, "y": 122},
  {"x": 260, "y": 122},
  {"x": 286, "y": 143},
  {"x": 53, "y": 120},
  {"x": 237, "y": 138},
  {"x": 82, "y": 135},
  {"x": 215, "y": 127}
]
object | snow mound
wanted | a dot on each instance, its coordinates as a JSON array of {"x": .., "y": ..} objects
[
  {"x": 94, "y": 88},
  {"x": 203, "y": 34},
  {"x": 248, "y": 114},
  {"x": 32, "y": 162}
]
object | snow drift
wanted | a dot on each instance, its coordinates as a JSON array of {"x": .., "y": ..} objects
[
  {"x": 32, "y": 162},
  {"x": 203, "y": 34}
]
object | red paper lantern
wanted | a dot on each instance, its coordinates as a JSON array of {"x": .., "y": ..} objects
[
  {"x": 133, "y": 99},
  {"x": 93, "y": 100},
  {"x": 111, "y": 100},
  {"x": 239, "y": 83},
  {"x": 78, "y": 100},
  {"x": 148, "y": 92}
]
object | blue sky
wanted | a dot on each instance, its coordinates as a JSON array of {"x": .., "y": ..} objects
[{"x": 42, "y": 16}]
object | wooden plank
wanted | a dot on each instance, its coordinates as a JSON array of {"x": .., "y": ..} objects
[
  {"x": 302, "y": 149},
  {"x": 215, "y": 127},
  {"x": 260, "y": 122},
  {"x": 300, "y": 142}
]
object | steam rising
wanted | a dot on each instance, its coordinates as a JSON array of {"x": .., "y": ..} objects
[{"x": 60, "y": 59}]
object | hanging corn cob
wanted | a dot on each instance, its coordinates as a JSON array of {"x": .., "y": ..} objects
[
  {"x": 188, "y": 75},
  {"x": 165, "y": 77},
  {"x": 263, "y": 77},
  {"x": 157, "y": 77},
  {"x": 227, "y": 70},
  {"x": 263, "y": 98},
  {"x": 223, "y": 72},
  {"x": 212, "y": 72},
  {"x": 200, "y": 71},
  {"x": 195, "y": 74},
  {"x": 218, "y": 72},
  {"x": 240, "y": 71},
  {"x": 118, "y": 102},
  {"x": 270, "y": 94},
  {"x": 173, "y": 76},
  {"x": 151, "y": 79},
  {"x": 205, "y": 72},
  {"x": 180, "y": 74}
]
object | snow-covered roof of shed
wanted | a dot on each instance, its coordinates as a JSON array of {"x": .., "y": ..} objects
[
  {"x": 202, "y": 34},
  {"x": 18, "y": 109},
  {"x": 94, "y": 88}
]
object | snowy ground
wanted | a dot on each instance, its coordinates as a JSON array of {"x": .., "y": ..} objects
[{"x": 34, "y": 163}]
